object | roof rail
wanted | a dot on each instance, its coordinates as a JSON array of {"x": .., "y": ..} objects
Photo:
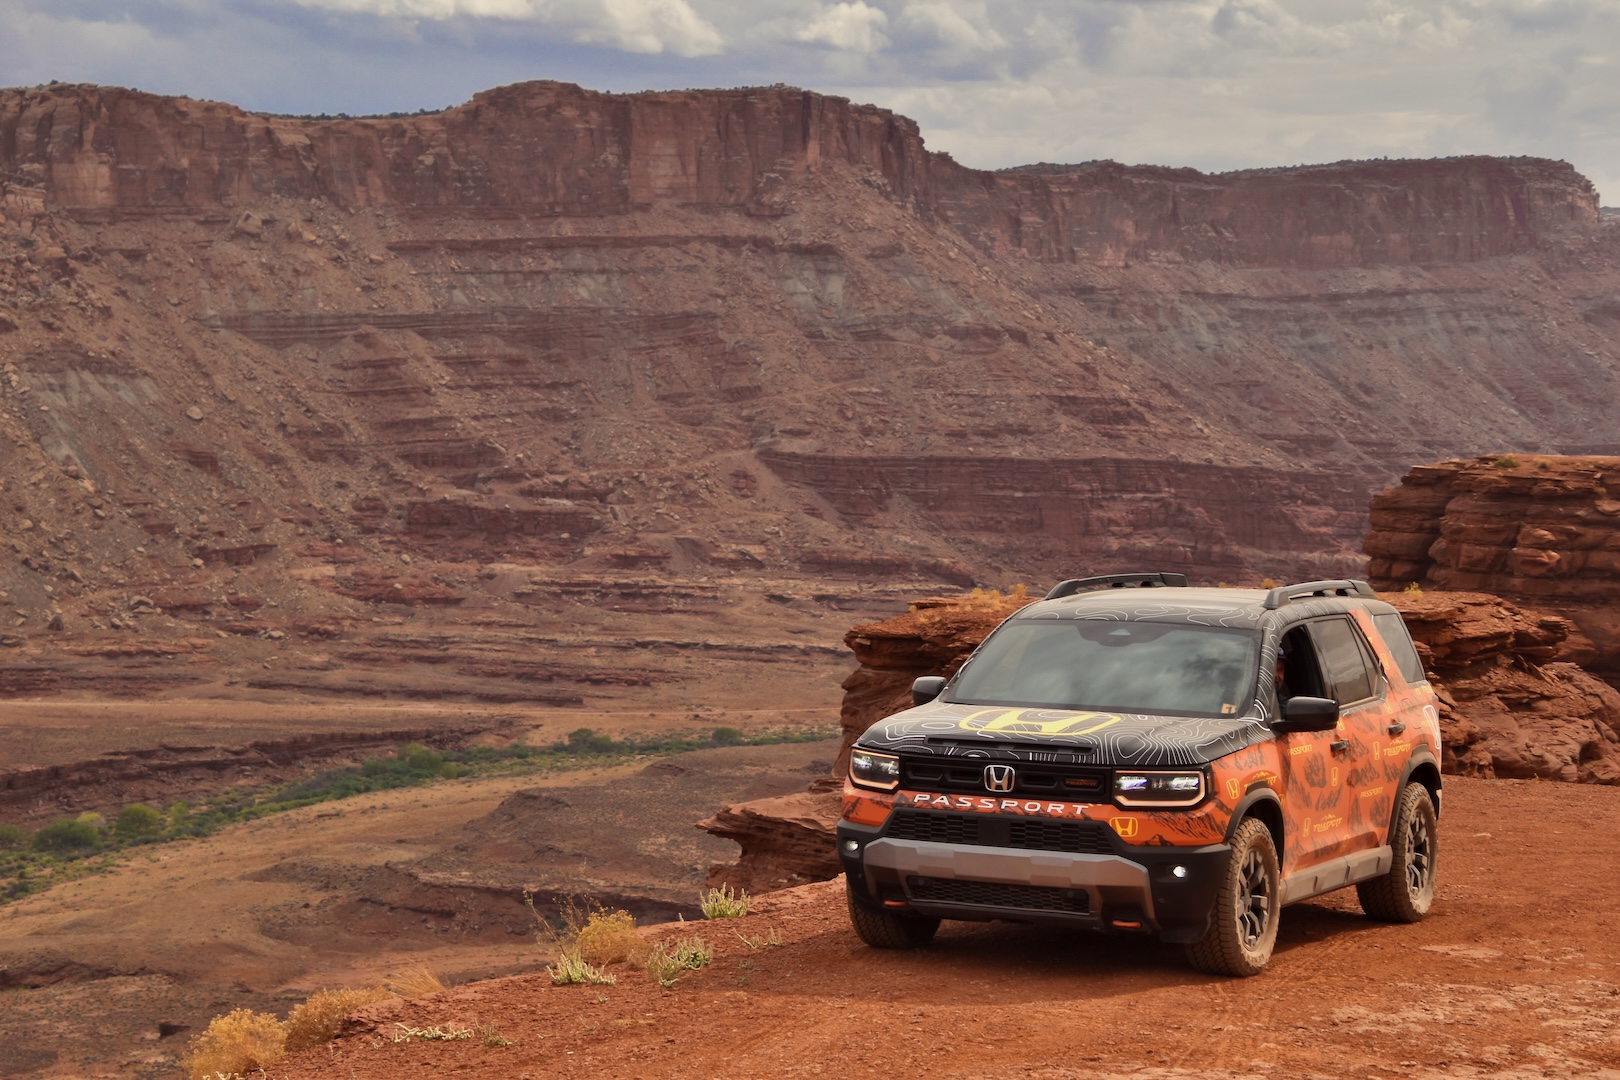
[
  {"x": 1117, "y": 581},
  {"x": 1283, "y": 595}
]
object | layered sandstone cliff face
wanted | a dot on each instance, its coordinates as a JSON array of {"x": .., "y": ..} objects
[
  {"x": 1539, "y": 529},
  {"x": 573, "y": 351}
]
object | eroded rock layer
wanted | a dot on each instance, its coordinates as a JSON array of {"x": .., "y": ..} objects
[
  {"x": 1540, "y": 529},
  {"x": 761, "y": 335}
]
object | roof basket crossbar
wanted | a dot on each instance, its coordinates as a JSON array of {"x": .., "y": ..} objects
[
  {"x": 1118, "y": 581},
  {"x": 1283, "y": 595}
]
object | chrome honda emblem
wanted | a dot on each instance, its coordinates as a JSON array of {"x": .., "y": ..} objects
[{"x": 999, "y": 777}]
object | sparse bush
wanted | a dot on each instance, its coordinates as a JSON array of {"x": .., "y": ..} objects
[
  {"x": 1506, "y": 461},
  {"x": 610, "y": 938},
  {"x": 1413, "y": 589},
  {"x": 570, "y": 968},
  {"x": 319, "y": 1018},
  {"x": 67, "y": 836},
  {"x": 722, "y": 903},
  {"x": 586, "y": 741},
  {"x": 417, "y": 982},
  {"x": 771, "y": 940},
  {"x": 727, "y": 736},
  {"x": 419, "y": 759},
  {"x": 12, "y": 837},
  {"x": 666, "y": 963},
  {"x": 236, "y": 1043},
  {"x": 137, "y": 822},
  {"x": 406, "y": 1033}
]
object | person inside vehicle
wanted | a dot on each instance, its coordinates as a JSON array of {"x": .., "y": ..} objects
[{"x": 1283, "y": 693}]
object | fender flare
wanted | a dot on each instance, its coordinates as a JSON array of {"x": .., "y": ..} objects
[
  {"x": 1422, "y": 757},
  {"x": 1256, "y": 795}
]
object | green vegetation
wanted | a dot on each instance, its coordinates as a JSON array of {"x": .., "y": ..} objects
[
  {"x": 1506, "y": 461},
  {"x": 668, "y": 962},
  {"x": 72, "y": 847},
  {"x": 722, "y": 903}
]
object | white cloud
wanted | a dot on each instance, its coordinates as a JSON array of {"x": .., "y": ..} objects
[
  {"x": 638, "y": 26},
  {"x": 850, "y": 27}
]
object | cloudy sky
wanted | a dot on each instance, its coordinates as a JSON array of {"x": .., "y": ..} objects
[{"x": 1214, "y": 84}]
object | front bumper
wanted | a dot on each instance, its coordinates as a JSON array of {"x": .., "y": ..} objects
[{"x": 1133, "y": 889}]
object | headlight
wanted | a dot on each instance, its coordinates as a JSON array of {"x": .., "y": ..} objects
[
  {"x": 1158, "y": 788},
  {"x": 874, "y": 770}
]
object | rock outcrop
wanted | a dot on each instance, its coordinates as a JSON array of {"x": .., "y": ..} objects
[
  {"x": 1512, "y": 702},
  {"x": 1538, "y": 529}
]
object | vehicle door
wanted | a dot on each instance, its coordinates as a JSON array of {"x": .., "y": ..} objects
[
  {"x": 1358, "y": 758},
  {"x": 1312, "y": 780}
]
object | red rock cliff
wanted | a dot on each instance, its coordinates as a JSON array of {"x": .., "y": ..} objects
[
  {"x": 554, "y": 149},
  {"x": 1540, "y": 529}
]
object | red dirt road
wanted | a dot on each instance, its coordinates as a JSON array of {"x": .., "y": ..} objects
[{"x": 1515, "y": 974}]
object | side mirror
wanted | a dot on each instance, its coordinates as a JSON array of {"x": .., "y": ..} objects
[
  {"x": 1308, "y": 714},
  {"x": 927, "y": 688}
]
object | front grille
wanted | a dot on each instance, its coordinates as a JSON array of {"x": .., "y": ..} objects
[
  {"x": 997, "y": 895},
  {"x": 987, "y": 830},
  {"x": 1083, "y": 782}
]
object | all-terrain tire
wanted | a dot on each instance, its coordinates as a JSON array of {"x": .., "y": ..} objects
[
  {"x": 1243, "y": 927},
  {"x": 886, "y": 929},
  {"x": 1406, "y": 893}
]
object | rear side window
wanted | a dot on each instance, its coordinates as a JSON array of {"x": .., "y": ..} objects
[
  {"x": 1344, "y": 660},
  {"x": 1392, "y": 628}
]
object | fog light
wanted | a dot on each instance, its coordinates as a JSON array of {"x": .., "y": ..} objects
[
  {"x": 851, "y": 847},
  {"x": 1178, "y": 871}
]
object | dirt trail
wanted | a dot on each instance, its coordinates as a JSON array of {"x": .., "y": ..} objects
[{"x": 1515, "y": 974}]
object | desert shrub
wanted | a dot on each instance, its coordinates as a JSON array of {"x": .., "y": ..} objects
[
  {"x": 416, "y": 982},
  {"x": 1413, "y": 589},
  {"x": 67, "y": 836},
  {"x": 571, "y": 968},
  {"x": 586, "y": 741},
  {"x": 12, "y": 837},
  {"x": 722, "y": 903},
  {"x": 136, "y": 822},
  {"x": 319, "y": 1018},
  {"x": 1506, "y": 461},
  {"x": 236, "y": 1043},
  {"x": 666, "y": 963},
  {"x": 609, "y": 937},
  {"x": 727, "y": 736},
  {"x": 419, "y": 759}
]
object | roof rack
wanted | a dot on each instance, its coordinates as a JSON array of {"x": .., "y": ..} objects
[
  {"x": 1118, "y": 581},
  {"x": 1283, "y": 595}
]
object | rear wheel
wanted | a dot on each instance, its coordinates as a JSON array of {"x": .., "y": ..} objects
[
  {"x": 1243, "y": 927},
  {"x": 888, "y": 929},
  {"x": 1406, "y": 893}
]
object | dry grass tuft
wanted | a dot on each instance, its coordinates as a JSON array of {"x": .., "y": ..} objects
[
  {"x": 609, "y": 937},
  {"x": 238, "y": 1042},
  {"x": 416, "y": 982},
  {"x": 318, "y": 1019}
]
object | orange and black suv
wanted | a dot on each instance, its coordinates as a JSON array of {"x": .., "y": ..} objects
[{"x": 1136, "y": 756}]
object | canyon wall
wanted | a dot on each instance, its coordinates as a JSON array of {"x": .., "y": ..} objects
[{"x": 584, "y": 355}]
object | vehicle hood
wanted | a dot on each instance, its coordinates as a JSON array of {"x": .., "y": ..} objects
[{"x": 1036, "y": 734}]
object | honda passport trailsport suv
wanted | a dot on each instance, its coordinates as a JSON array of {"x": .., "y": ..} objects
[{"x": 1135, "y": 756}]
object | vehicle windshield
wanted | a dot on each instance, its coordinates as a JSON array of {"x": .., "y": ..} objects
[{"x": 1112, "y": 666}]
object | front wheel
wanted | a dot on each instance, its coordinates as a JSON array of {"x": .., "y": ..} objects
[
  {"x": 886, "y": 929},
  {"x": 1406, "y": 893},
  {"x": 1243, "y": 927}
]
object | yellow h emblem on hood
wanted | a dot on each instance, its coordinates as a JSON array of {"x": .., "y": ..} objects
[{"x": 1014, "y": 721}]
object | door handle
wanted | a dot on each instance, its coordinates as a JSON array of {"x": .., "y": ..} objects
[
  {"x": 1339, "y": 744},
  {"x": 1396, "y": 728}
]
